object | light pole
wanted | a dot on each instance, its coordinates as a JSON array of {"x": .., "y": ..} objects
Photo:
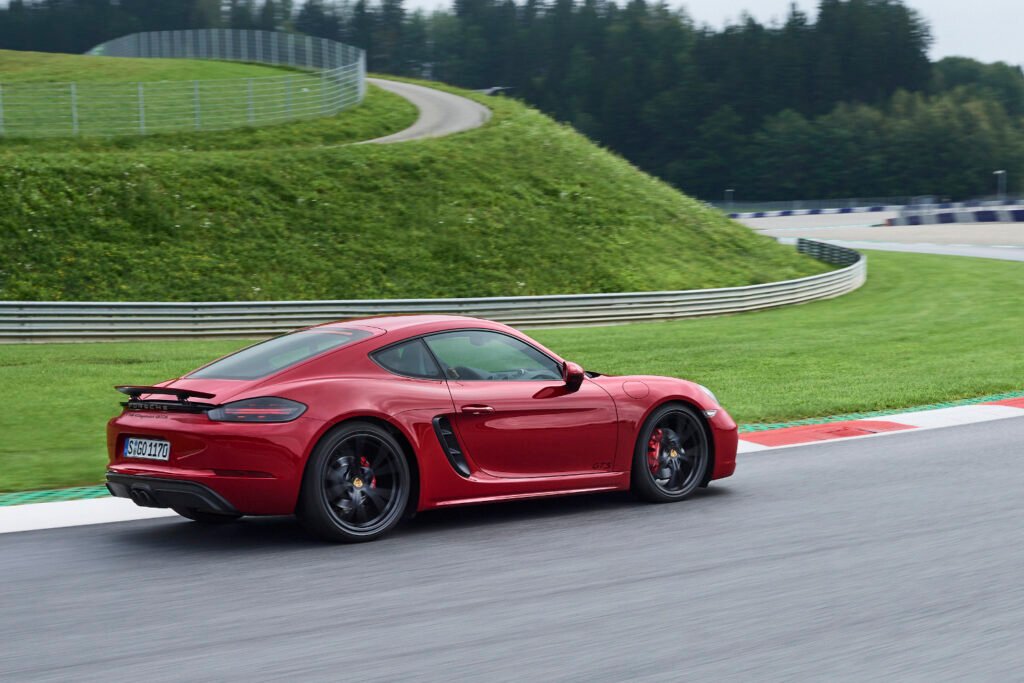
[
  {"x": 1000, "y": 184},
  {"x": 728, "y": 198}
]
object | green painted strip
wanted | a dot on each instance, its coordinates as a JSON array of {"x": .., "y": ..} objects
[
  {"x": 76, "y": 493},
  {"x": 100, "y": 491}
]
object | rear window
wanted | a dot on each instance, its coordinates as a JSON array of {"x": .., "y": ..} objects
[{"x": 279, "y": 353}]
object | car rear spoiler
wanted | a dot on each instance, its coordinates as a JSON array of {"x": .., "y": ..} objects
[
  {"x": 182, "y": 395},
  {"x": 179, "y": 404}
]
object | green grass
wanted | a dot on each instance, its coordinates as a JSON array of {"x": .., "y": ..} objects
[
  {"x": 520, "y": 206},
  {"x": 924, "y": 329}
]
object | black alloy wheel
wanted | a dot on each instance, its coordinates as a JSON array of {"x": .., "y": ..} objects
[
  {"x": 672, "y": 455},
  {"x": 356, "y": 485}
]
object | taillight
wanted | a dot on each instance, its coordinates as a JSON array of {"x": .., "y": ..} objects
[{"x": 263, "y": 409}]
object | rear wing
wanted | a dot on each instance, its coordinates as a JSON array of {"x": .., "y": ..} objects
[{"x": 180, "y": 403}]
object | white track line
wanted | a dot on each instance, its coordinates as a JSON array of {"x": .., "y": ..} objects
[
  {"x": 73, "y": 513},
  {"x": 951, "y": 417}
]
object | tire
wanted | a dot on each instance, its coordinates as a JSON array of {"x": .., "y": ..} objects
[
  {"x": 671, "y": 456},
  {"x": 356, "y": 484},
  {"x": 204, "y": 517}
]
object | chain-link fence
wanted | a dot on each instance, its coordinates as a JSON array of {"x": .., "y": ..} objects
[{"x": 328, "y": 77}]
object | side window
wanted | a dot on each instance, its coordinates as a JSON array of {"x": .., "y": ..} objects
[
  {"x": 410, "y": 359},
  {"x": 481, "y": 355}
]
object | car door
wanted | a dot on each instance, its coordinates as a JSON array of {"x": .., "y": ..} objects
[{"x": 513, "y": 413}]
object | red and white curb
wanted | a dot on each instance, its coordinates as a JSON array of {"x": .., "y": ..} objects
[
  {"x": 786, "y": 437},
  {"x": 38, "y": 516}
]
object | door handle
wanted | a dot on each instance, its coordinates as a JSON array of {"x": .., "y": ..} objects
[{"x": 477, "y": 410}]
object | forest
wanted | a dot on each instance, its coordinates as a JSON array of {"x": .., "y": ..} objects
[{"x": 846, "y": 104}]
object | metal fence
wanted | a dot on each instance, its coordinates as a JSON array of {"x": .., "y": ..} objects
[
  {"x": 328, "y": 77},
  {"x": 22, "y": 321}
]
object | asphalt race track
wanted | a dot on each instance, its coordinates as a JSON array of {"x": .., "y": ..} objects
[
  {"x": 440, "y": 113},
  {"x": 895, "y": 557}
]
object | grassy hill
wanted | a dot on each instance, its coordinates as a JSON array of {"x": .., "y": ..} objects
[{"x": 521, "y": 206}]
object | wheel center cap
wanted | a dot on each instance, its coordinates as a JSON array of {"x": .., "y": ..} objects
[
  {"x": 357, "y": 482},
  {"x": 674, "y": 454}
]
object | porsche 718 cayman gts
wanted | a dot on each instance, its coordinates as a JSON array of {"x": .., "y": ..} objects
[{"x": 353, "y": 425}]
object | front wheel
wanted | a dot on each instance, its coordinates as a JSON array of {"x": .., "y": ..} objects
[
  {"x": 356, "y": 484},
  {"x": 671, "y": 456}
]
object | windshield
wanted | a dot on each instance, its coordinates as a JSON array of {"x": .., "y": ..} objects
[{"x": 277, "y": 354}]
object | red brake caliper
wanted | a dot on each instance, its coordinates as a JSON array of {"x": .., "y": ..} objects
[
  {"x": 363, "y": 462},
  {"x": 654, "y": 450}
]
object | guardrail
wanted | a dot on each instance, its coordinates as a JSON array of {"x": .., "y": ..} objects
[
  {"x": 329, "y": 77},
  {"x": 25, "y": 321}
]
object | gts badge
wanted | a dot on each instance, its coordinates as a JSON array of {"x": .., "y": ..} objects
[{"x": 602, "y": 466}]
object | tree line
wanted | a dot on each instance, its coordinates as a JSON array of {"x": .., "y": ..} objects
[{"x": 846, "y": 104}]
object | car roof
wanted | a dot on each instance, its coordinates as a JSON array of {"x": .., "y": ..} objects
[{"x": 410, "y": 325}]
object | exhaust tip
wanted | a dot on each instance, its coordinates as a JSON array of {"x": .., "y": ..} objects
[{"x": 142, "y": 497}]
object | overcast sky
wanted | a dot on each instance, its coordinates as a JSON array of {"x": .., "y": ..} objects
[{"x": 988, "y": 30}]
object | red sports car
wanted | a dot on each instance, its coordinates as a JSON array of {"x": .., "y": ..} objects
[{"x": 353, "y": 425}]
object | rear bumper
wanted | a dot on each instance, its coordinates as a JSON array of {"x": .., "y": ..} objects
[
  {"x": 256, "y": 468},
  {"x": 154, "y": 492}
]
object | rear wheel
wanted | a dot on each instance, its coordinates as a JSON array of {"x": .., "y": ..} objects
[
  {"x": 671, "y": 456},
  {"x": 204, "y": 517},
  {"x": 356, "y": 484}
]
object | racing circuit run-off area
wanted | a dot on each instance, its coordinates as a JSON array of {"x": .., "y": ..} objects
[{"x": 511, "y": 342}]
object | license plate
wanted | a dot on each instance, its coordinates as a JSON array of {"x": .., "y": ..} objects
[{"x": 147, "y": 449}]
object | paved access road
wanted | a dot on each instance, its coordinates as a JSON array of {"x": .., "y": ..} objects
[
  {"x": 1004, "y": 241},
  {"x": 441, "y": 113},
  {"x": 853, "y": 220},
  {"x": 889, "y": 558}
]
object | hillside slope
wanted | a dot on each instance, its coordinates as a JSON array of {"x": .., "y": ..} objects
[{"x": 520, "y": 206}]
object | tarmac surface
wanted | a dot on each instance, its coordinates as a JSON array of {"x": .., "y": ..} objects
[
  {"x": 1003, "y": 241},
  {"x": 894, "y": 558},
  {"x": 441, "y": 113}
]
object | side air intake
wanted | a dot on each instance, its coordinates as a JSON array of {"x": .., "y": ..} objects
[{"x": 450, "y": 445}]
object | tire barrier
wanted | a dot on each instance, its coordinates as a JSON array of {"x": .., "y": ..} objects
[
  {"x": 1013, "y": 215},
  {"x": 814, "y": 212},
  {"x": 902, "y": 208}
]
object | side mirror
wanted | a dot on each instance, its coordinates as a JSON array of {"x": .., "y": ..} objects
[{"x": 573, "y": 375}]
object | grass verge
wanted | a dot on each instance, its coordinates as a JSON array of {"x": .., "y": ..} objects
[
  {"x": 924, "y": 329},
  {"x": 522, "y": 205}
]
